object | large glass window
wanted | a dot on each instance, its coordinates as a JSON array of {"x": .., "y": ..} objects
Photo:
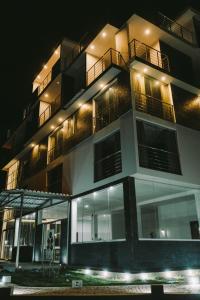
[
  {"x": 107, "y": 155},
  {"x": 112, "y": 103},
  {"x": 166, "y": 212},
  {"x": 99, "y": 216},
  {"x": 158, "y": 148}
]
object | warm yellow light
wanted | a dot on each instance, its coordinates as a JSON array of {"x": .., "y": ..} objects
[
  {"x": 104, "y": 34},
  {"x": 92, "y": 47},
  {"x": 60, "y": 119},
  {"x": 101, "y": 85},
  {"x": 46, "y": 95},
  {"x": 56, "y": 52},
  {"x": 45, "y": 67},
  {"x": 138, "y": 75},
  {"x": 52, "y": 127},
  {"x": 38, "y": 76},
  {"x": 157, "y": 83},
  {"x": 32, "y": 145},
  {"x": 147, "y": 31},
  {"x": 145, "y": 70},
  {"x": 57, "y": 82},
  {"x": 163, "y": 78}
]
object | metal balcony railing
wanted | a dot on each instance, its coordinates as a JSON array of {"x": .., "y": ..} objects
[
  {"x": 108, "y": 166},
  {"x": 47, "y": 113},
  {"x": 110, "y": 57},
  {"x": 148, "y": 54},
  {"x": 158, "y": 159},
  {"x": 54, "y": 153},
  {"x": 45, "y": 82},
  {"x": 176, "y": 29},
  {"x": 154, "y": 106}
]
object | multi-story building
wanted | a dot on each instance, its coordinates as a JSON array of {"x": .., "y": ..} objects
[{"x": 106, "y": 159}]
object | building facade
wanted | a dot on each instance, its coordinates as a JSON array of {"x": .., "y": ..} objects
[{"x": 114, "y": 124}]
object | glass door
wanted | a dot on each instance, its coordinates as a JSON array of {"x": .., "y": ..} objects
[{"x": 51, "y": 241}]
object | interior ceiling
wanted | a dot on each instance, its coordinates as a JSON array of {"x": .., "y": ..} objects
[
  {"x": 102, "y": 43},
  {"x": 137, "y": 27}
]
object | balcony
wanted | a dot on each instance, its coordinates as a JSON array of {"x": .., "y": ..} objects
[
  {"x": 49, "y": 111},
  {"x": 54, "y": 153},
  {"x": 108, "y": 166},
  {"x": 158, "y": 159},
  {"x": 176, "y": 29},
  {"x": 45, "y": 82},
  {"x": 153, "y": 106},
  {"x": 110, "y": 57},
  {"x": 145, "y": 53}
]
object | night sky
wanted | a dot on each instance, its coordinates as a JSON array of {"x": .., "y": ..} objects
[{"x": 30, "y": 31}]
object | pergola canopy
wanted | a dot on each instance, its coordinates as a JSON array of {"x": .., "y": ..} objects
[{"x": 31, "y": 199}]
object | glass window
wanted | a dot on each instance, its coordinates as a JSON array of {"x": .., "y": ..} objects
[
  {"x": 107, "y": 157},
  {"x": 166, "y": 212},
  {"x": 99, "y": 216},
  {"x": 27, "y": 230},
  {"x": 53, "y": 213},
  {"x": 158, "y": 148}
]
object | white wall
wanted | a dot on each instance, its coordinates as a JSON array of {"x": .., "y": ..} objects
[{"x": 78, "y": 165}]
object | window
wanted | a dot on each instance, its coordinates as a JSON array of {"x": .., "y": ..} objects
[
  {"x": 166, "y": 211},
  {"x": 68, "y": 128},
  {"x": 55, "y": 145},
  {"x": 112, "y": 103},
  {"x": 54, "y": 178},
  {"x": 27, "y": 230},
  {"x": 99, "y": 216},
  {"x": 12, "y": 176},
  {"x": 158, "y": 148},
  {"x": 107, "y": 155},
  {"x": 152, "y": 97}
]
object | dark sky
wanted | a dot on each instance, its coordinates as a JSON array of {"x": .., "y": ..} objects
[{"x": 30, "y": 31}]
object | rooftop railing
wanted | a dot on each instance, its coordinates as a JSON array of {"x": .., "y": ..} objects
[
  {"x": 153, "y": 106},
  {"x": 176, "y": 29},
  {"x": 110, "y": 57},
  {"x": 148, "y": 54}
]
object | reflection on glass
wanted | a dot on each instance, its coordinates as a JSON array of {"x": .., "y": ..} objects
[
  {"x": 166, "y": 211},
  {"x": 99, "y": 216}
]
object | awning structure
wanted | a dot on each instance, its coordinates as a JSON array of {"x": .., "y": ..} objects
[
  {"x": 23, "y": 199},
  {"x": 31, "y": 199}
]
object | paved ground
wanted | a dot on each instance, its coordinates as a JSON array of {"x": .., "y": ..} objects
[{"x": 108, "y": 290}]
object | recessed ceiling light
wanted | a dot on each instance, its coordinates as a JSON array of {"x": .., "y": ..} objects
[
  {"x": 38, "y": 76},
  {"x": 157, "y": 83},
  {"x": 92, "y": 47},
  {"x": 145, "y": 70},
  {"x": 52, "y": 127},
  {"x": 57, "y": 82},
  {"x": 101, "y": 85},
  {"x": 45, "y": 67},
  {"x": 32, "y": 145},
  {"x": 104, "y": 34},
  {"x": 56, "y": 52},
  {"x": 147, "y": 31},
  {"x": 46, "y": 95},
  {"x": 60, "y": 119},
  {"x": 163, "y": 78}
]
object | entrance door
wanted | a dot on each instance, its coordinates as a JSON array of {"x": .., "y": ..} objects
[{"x": 51, "y": 241}]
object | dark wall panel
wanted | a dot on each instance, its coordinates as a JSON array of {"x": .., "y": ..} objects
[{"x": 187, "y": 108}]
